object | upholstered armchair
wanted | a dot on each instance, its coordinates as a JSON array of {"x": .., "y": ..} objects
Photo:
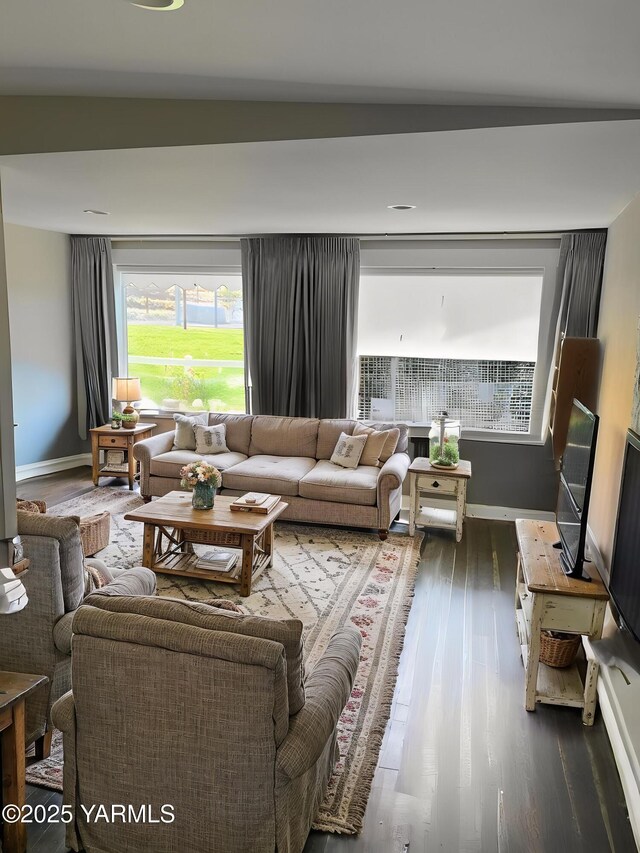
[
  {"x": 38, "y": 639},
  {"x": 205, "y": 712}
]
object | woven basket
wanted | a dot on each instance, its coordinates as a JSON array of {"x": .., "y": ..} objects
[
  {"x": 559, "y": 651},
  {"x": 94, "y": 533}
]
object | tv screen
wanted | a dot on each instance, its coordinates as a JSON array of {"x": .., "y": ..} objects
[
  {"x": 624, "y": 583},
  {"x": 575, "y": 486}
]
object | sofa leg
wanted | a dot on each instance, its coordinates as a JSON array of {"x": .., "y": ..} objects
[
  {"x": 382, "y": 533},
  {"x": 146, "y": 499},
  {"x": 43, "y": 746}
]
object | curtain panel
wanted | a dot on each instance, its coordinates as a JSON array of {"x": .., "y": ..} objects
[
  {"x": 94, "y": 316},
  {"x": 301, "y": 307},
  {"x": 580, "y": 270}
]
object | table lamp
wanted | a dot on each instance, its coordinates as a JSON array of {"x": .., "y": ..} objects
[{"x": 126, "y": 389}]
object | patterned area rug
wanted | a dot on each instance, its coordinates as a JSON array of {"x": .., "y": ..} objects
[{"x": 327, "y": 578}]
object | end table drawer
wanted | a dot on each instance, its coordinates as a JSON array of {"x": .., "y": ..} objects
[
  {"x": 113, "y": 441},
  {"x": 442, "y": 485}
]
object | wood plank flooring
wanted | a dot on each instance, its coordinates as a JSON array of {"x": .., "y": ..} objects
[{"x": 463, "y": 767}]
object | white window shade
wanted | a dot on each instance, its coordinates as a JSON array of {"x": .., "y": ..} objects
[{"x": 479, "y": 315}]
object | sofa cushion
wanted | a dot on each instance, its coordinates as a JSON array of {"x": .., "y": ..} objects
[
  {"x": 274, "y": 436},
  {"x": 185, "y": 438},
  {"x": 288, "y": 632},
  {"x": 210, "y": 439},
  {"x": 169, "y": 464},
  {"x": 278, "y": 475},
  {"x": 383, "y": 442},
  {"x": 329, "y": 431},
  {"x": 403, "y": 438},
  {"x": 329, "y": 482},
  {"x": 238, "y": 430}
]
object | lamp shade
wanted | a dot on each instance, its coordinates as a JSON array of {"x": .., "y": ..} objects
[{"x": 125, "y": 389}]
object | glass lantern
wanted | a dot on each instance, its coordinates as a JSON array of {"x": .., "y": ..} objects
[{"x": 444, "y": 437}]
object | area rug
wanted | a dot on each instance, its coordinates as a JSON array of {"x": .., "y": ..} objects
[{"x": 327, "y": 578}]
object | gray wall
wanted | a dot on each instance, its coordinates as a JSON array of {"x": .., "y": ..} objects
[
  {"x": 8, "y": 526},
  {"x": 42, "y": 358}
]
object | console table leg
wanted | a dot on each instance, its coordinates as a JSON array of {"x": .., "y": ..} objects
[
  {"x": 533, "y": 659},
  {"x": 413, "y": 501},
  {"x": 590, "y": 692}
]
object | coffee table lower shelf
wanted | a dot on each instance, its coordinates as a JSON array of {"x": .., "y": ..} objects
[{"x": 185, "y": 565}]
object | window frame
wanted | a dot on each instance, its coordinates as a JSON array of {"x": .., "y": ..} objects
[
  {"x": 466, "y": 257},
  {"x": 120, "y": 289}
]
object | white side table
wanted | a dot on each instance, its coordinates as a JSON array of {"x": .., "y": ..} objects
[{"x": 430, "y": 482}]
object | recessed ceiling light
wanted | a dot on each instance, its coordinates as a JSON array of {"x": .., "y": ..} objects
[
  {"x": 97, "y": 212},
  {"x": 401, "y": 206},
  {"x": 158, "y": 5}
]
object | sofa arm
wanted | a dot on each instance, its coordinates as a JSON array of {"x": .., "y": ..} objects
[
  {"x": 327, "y": 691},
  {"x": 137, "y": 581},
  {"x": 145, "y": 450},
  {"x": 63, "y": 715},
  {"x": 390, "y": 479}
]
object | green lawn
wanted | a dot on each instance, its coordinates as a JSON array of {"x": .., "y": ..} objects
[
  {"x": 176, "y": 342},
  {"x": 218, "y": 389}
]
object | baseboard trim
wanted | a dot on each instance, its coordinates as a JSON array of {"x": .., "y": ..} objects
[
  {"x": 50, "y": 466},
  {"x": 492, "y": 513}
]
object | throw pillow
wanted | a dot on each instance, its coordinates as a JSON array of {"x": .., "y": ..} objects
[
  {"x": 348, "y": 450},
  {"x": 211, "y": 439},
  {"x": 392, "y": 437},
  {"x": 185, "y": 438},
  {"x": 374, "y": 446}
]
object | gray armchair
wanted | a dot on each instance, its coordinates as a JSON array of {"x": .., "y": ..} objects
[
  {"x": 38, "y": 639},
  {"x": 204, "y": 711}
]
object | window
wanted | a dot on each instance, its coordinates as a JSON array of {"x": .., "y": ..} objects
[
  {"x": 184, "y": 339},
  {"x": 465, "y": 342}
]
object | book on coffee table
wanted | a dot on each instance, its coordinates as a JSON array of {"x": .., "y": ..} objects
[
  {"x": 255, "y": 502},
  {"x": 218, "y": 561}
]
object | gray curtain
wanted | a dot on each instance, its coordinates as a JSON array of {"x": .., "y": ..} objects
[
  {"x": 580, "y": 271},
  {"x": 94, "y": 316},
  {"x": 301, "y": 306}
]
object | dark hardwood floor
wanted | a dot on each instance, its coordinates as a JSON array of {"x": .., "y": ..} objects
[{"x": 463, "y": 767}]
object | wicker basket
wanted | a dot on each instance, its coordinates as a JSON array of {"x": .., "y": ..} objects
[
  {"x": 94, "y": 533},
  {"x": 558, "y": 651}
]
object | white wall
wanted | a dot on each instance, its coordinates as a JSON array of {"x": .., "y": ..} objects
[{"x": 42, "y": 344}]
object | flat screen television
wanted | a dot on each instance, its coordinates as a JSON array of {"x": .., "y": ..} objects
[
  {"x": 624, "y": 580},
  {"x": 576, "y": 473}
]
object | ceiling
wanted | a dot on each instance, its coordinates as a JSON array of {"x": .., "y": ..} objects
[
  {"x": 549, "y": 177},
  {"x": 576, "y": 52},
  {"x": 581, "y": 53}
]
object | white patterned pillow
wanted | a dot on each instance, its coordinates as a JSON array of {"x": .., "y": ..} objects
[
  {"x": 348, "y": 450},
  {"x": 211, "y": 439}
]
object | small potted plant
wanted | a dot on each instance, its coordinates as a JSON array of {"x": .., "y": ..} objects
[
  {"x": 203, "y": 479},
  {"x": 128, "y": 421},
  {"x": 116, "y": 420}
]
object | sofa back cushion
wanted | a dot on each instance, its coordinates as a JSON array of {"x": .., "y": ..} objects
[
  {"x": 328, "y": 434},
  {"x": 66, "y": 530},
  {"x": 238, "y": 430},
  {"x": 288, "y": 632},
  {"x": 276, "y": 436}
]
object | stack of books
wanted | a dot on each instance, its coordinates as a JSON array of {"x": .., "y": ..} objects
[
  {"x": 255, "y": 502},
  {"x": 218, "y": 561}
]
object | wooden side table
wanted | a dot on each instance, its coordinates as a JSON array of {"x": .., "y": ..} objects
[
  {"x": 427, "y": 481},
  {"x": 546, "y": 599},
  {"x": 104, "y": 438},
  {"x": 14, "y": 689}
]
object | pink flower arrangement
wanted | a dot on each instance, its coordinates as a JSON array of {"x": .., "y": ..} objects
[{"x": 200, "y": 472}]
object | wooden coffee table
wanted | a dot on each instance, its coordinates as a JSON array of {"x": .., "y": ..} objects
[{"x": 172, "y": 527}]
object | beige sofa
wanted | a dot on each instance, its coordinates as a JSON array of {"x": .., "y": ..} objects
[{"x": 288, "y": 457}]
